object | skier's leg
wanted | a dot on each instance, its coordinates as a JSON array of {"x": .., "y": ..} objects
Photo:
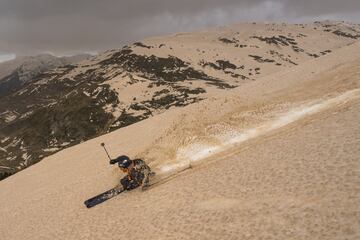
[
  {"x": 125, "y": 183},
  {"x": 128, "y": 184}
]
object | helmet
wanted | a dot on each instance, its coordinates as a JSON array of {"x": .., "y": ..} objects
[{"x": 123, "y": 161}]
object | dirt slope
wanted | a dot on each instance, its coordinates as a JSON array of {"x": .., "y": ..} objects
[{"x": 275, "y": 159}]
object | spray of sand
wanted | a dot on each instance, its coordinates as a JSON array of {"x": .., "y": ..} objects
[{"x": 199, "y": 150}]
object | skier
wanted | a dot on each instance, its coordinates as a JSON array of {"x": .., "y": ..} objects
[{"x": 137, "y": 172}]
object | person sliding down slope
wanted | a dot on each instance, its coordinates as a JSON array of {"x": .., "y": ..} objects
[{"x": 137, "y": 172}]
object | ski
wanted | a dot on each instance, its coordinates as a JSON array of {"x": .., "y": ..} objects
[{"x": 104, "y": 196}]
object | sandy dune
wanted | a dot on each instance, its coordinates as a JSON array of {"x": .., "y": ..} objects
[{"x": 289, "y": 170}]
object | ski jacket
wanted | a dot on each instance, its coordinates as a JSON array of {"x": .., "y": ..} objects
[{"x": 137, "y": 176}]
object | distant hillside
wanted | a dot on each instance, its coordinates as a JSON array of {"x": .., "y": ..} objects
[
  {"x": 15, "y": 73},
  {"x": 76, "y": 102}
]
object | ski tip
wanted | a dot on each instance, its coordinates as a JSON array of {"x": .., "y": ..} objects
[{"x": 87, "y": 204}]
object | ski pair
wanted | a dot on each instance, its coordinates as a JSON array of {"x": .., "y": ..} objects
[{"x": 119, "y": 189}]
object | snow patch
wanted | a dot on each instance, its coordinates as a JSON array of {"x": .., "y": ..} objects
[
  {"x": 97, "y": 91},
  {"x": 115, "y": 111},
  {"x": 51, "y": 149},
  {"x": 21, "y": 92},
  {"x": 5, "y": 139},
  {"x": 9, "y": 116},
  {"x": 15, "y": 142},
  {"x": 4, "y": 167},
  {"x": 65, "y": 144},
  {"x": 24, "y": 156},
  {"x": 26, "y": 114},
  {"x": 10, "y": 158}
]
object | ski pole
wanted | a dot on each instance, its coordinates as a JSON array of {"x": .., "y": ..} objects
[{"x": 103, "y": 145}]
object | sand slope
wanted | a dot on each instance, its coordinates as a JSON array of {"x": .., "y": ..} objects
[{"x": 298, "y": 180}]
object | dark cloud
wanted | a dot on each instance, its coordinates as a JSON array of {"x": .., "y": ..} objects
[
  {"x": 322, "y": 7},
  {"x": 32, "y": 26}
]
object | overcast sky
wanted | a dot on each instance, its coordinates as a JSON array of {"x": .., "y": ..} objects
[{"x": 69, "y": 26}]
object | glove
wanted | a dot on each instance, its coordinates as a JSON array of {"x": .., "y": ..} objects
[{"x": 113, "y": 161}]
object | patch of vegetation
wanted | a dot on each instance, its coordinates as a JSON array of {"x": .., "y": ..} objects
[
  {"x": 140, "y": 44},
  {"x": 210, "y": 64},
  {"x": 138, "y": 107},
  {"x": 186, "y": 91},
  {"x": 314, "y": 55},
  {"x": 283, "y": 41},
  {"x": 223, "y": 64},
  {"x": 241, "y": 45},
  {"x": 164, "y": 91},
  {"x": 282, "y": 57},
  {"x": 344, "y": 34},
  {"x": 277, "y": 40},
  {"x": 325, "y": 52},
  {"x": 297, "y": 49},
  {"x": 167, "y": 101},
  {"x": 261, "y": 59},
  {"x": 127, "y": 119},
  {"x": 161, "y": 70},
  {"x": 219, "y": 65},
  {"x": 235, "y": 75},
  {"x": 228, "y": 41}
]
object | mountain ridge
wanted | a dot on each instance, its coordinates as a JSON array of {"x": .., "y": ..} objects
[{"x": 117, "y": 88}]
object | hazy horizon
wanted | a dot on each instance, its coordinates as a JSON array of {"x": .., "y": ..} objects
[{"x": 67, "y": 28}]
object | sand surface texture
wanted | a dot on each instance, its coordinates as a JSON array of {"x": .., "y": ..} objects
[{"x": 277, "y": 158}]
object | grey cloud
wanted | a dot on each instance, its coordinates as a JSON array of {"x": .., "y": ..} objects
[
  {"x": 321, "y": 7},
  {"x": 32, "y": 26}
]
